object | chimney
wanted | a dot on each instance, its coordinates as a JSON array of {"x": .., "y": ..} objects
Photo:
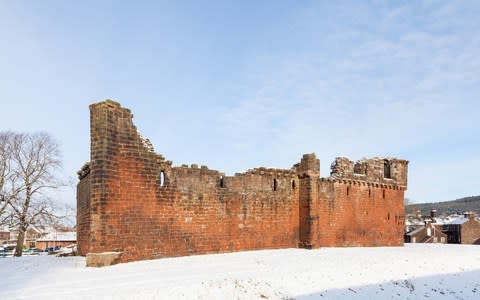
[{"x": 433, "y": 213}]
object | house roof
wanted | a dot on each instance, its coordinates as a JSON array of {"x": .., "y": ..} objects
[
  {"x": 413, "y": 221},
  {"x": 458, "y": 221},
  {"x": 414, "y": 232},
  {"x": 59, "y": 236},
  {"x": 440, "y": 220}
]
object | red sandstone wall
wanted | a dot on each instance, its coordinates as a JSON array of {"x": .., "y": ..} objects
[
  {"x": 123, "y": 205},
  {"x": 83, "y": 215},
  {"x": 357, "y": 214},
  {"x": 191, "y": 214}
]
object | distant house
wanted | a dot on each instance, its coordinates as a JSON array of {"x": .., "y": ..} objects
[
  {"x": 427, "y": 233},
  {"x": 463, "y": 230},
  {"x": 4, "y": 236},
  {"x": 54, "y": 239},
  {"x": 32, "y": 234},
  {"x": 413, "y": 222}
]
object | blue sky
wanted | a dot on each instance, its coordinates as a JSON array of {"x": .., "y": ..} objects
[{"x": 241, "y": 84}]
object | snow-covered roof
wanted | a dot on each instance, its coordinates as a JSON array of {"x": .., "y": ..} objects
[
  {"x": 416, "y": 231},
  {"x": 457, "y": 221},
  {"x": 414, "y": 221},
  {"x": 440, "y": 221},
  {"x": 59, "y": 236},
  {"x": 36, "y": 229},
  {"x": 454, "y": 221}
]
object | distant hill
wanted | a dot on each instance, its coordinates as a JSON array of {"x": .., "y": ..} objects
[{"x": 448, "y": 207}]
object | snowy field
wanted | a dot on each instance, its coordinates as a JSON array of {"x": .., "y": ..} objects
[{"x": 416, "y": 271}]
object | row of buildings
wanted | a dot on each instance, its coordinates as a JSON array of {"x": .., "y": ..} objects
[
  {"x": 452, "y": 229},
  {"x": 40, "y": 238}
]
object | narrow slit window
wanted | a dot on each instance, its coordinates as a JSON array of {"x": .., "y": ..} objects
[
  {"x": 222, "y": 183},
  {"x": 369, "y": 192},
  {"x": 162, "y": 178},
  {"x": 348, "y": 190},
  {"x": 383, "y": 194},
  {"x": 275, "y": 184},
  {"x": 293, "y": 184}
]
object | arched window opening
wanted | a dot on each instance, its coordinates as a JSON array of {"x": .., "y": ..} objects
[
  {"x": 162, "y": 178},
  {"x": 222, "y": 183},
  {"x": 386, "y": 169},
  {"x": 275, "y": 184}
]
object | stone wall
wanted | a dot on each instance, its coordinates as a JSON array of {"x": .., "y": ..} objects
[
  {"x": 83, "y": 209},
  {"x": 132, "y": 201},
  {"x": 356, "y": 213},
  {"x": 351, "y": 208},
  {"x": 143, "y": 207}
]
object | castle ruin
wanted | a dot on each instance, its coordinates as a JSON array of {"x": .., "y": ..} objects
[{"x": 132, "y": 204}]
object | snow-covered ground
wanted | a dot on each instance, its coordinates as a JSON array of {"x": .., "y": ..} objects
[{"x": 416, "y": 271}]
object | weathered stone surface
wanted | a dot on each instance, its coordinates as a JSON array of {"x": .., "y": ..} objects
[
  {"x": 103, "y": 259},
  {"x": 134, "y": 201}
]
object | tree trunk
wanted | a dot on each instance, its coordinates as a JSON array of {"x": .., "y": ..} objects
[
  {"x": 20, "y": 241},
  {"x": 22, "y": 227}
]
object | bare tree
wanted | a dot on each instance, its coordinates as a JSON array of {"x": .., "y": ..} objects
[
  {"x": 9, "y": 187},
  {"x": 34, "y": 158},
  {"x": 4, "y": 171},
  {"x": 67, "y": 217}
]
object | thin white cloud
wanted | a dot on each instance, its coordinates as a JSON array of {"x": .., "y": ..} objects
[{"x": 388, "y": 94}]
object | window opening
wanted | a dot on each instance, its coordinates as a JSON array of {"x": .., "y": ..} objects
[
  {"x": 222, "y": 183},
  {"x": 162, "y": 178},
  {"x": 386, "y": 169}
]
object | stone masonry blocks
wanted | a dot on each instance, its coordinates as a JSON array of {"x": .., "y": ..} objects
[{"x": 131, "y": 200}]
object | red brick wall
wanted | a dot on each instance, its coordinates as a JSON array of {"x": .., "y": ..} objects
[{"x": 123, "y": 206}]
